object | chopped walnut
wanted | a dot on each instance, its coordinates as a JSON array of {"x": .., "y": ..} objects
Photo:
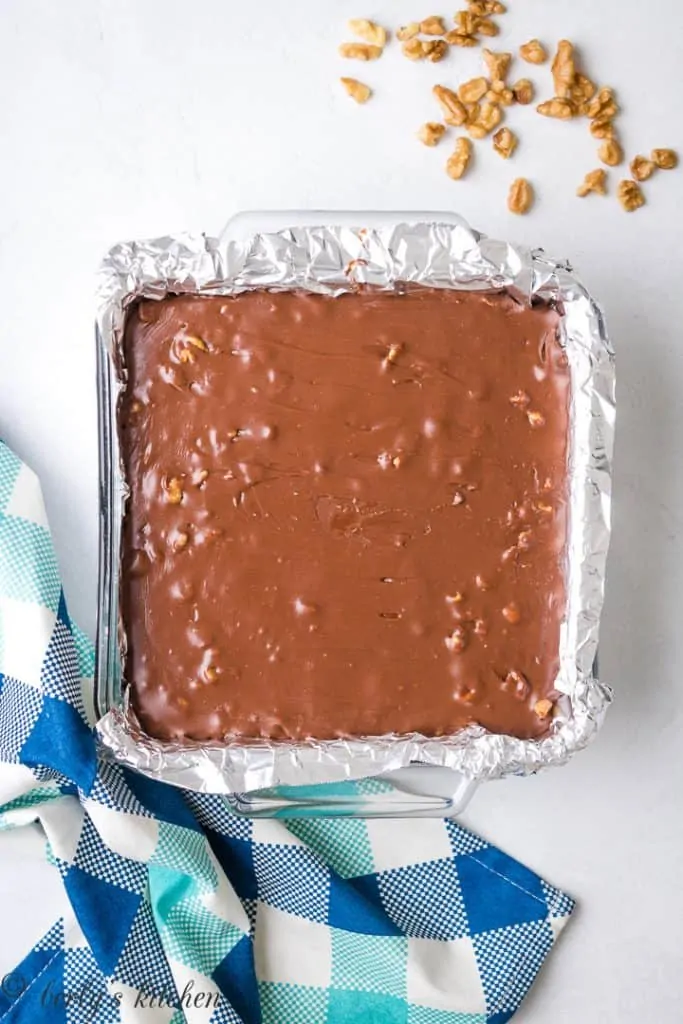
[
  {"x": 358, "y": 91},
  {"x": 533, "y": 52},
  {"x": 481, "y": 8},
  {"x": 520, "y": 399},
  {"x": 523, "y": 90},
  {"x": 611, "y": 153},
  {"x": 474, "y": 90},
  {"x": 601, "y": 127},
  {"x": 563, "y": 69},
  {"x": 435, "y": 50},
  {"x": 370, "y": 31},
  {"x": 497, "y": 64},
  {"x": 433, "y": 26},
  {"x": 505, "y": 142},
  {"x": 511, "y": 613},
  {"x": 604, "y": 104},
  {"x": 505, "y": 97},
  {"x": 179, "y": 540},
  {"x": 489, "y": 117},
  {"x": 536, "y": 419},
  {"x": 473, "y": 110},
  {"x": 455, "y": 38},
  {"x": 583, "y": 89},
  {"x": 665, "y": 159},
  {"x": 466, "y": 23},
  {"x": 562, "y": 109},
  {"x": 520, "y": 196},
  {"x": 457, "y": 641},
  {"x": 459, "y": 159},
  {"x": 543, "y": 707},
  {"x": 454, "y": 111},
  {"x": 630, "y": 195},
  {"x": 408, "y": 31},
  {"x": 487, "y": 27},
  {"x": 431, "y": 133},
  {"x": 595, "y": 181},
  {"x": 516, "y": 684},
  {"x": 414, "y": 49},
  {"x": 196, "y": 342},
  {"x": 172, "y": 490},
  {"x": 641, "y": 168},
  {"x": 360, "y": 51}
]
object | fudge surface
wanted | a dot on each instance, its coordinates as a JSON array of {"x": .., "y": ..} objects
[{"x": 347, "y": 515}]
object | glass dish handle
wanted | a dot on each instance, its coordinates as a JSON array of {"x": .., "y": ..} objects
[{"x": 419, "y": 791}]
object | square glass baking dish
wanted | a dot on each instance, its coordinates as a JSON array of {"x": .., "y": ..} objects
[{"x": 417, "y": 790}]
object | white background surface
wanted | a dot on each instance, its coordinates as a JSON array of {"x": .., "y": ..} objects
[{"x": 127, "y": 119}]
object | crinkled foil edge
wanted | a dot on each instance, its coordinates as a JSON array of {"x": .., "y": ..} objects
[{"x": 332, "y": 260}]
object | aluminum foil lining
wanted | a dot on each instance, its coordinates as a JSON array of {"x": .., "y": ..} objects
[{"x": 332, "y": 260}]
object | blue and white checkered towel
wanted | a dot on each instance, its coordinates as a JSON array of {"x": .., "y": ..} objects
[{"x": 184, "y": 912}]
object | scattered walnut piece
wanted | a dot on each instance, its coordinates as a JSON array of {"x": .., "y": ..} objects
[
  {"x": 520, "y": 196},
  {"x": 360, "y": 51},
  {"x": 582, "y": 89},
  {"x": 433, "y": 26},
  {"x": 536, "y": 419},
  {"x": 488, "y": 118},
  {"x": 497, "y": 64},
  {"x": 556, "y": 107},
  {"x": 473, "y": 110},
  {"x": 466, "y": 23},
  {"x": 595, "y": 181},
  {"x": 604, "y": 104},
  {"x": 533, "y": 52},
  {"x": 474, "y": 90},
  {"x": 455, "y": 38},
  {"x": 459, "y": 159},
  {"x": 665, "y": 159},
  {"x": 601, "y": 127},
  {"x": 563, "y": 69},
  {"x": 408, "y": 31},
  {"x": 498, "y": 95},
  {"x": 370, "y": 31},
  {"x": 482, "y": 7},
  {"x": 523, "y": 90},
  {"x": 505, "y": 142},
  {"x": 630, "y": 195},
  {"x": 641, "y": 168},
  {"x": 358, "y": 91},
  {"x": 487, "y": 27},
  {"x": 414, "y": 49},
  {"x": 431, "y": 133},
  {"x": 435, "y": 50},
  {"x": 543, "y": 707},
  {"x": 454, "y": 111},
  {"x": 611, "y": 153}
]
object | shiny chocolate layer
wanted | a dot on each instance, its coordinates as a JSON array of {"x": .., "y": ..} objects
[{"x": 347, "y": 516}]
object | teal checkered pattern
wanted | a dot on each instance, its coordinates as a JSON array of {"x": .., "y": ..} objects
[{"x": 317, "y": 922}]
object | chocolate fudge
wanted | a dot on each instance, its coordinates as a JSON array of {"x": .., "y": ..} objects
[{"x": 347, "y": 515}]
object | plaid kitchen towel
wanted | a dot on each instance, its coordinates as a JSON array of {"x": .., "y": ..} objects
[{"x": 182, "y": 911}]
